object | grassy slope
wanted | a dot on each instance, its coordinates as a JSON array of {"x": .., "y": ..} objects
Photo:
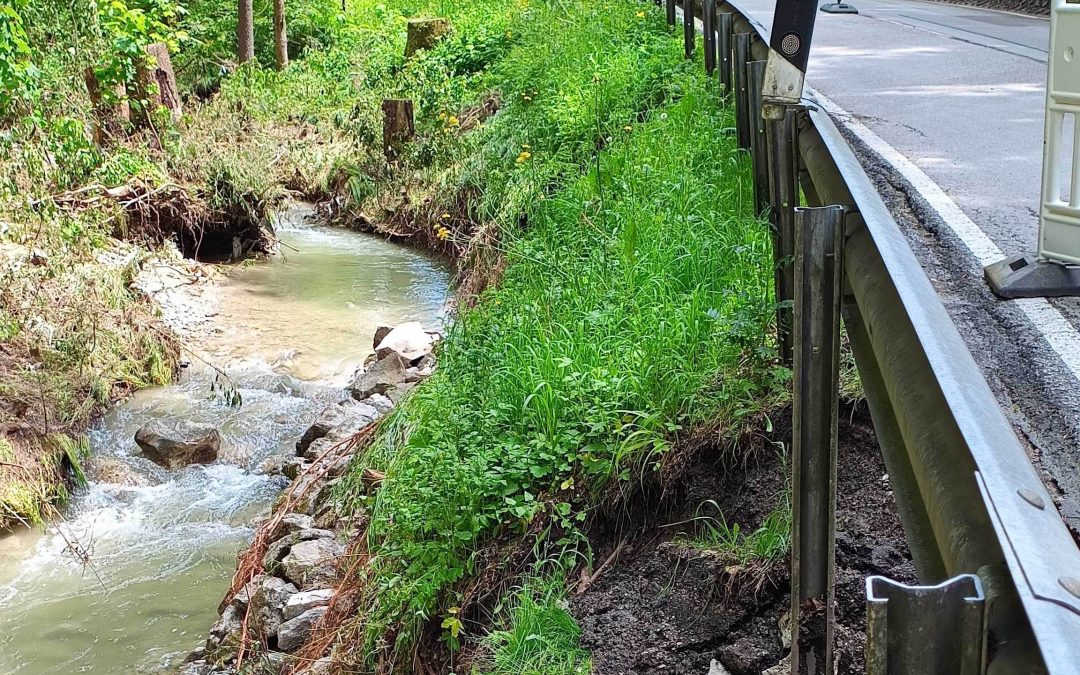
[{"x": 633, "y": 308}]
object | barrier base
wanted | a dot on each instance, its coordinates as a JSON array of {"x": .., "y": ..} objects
[
  {"x": 1025, "y": 276},
  {"x": 839, "y": 8}
]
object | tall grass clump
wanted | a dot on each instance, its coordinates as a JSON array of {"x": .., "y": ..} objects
[
  {"x": 634, "y": 307},
  {"x": 537, "y": 634}
]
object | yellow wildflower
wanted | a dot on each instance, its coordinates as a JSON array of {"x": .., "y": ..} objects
[
  {"x": 453, "y": 121},
  {"x": 628, "y": 128},
  {"x": 442, "y": 115},
  {"x": 443, "y": 234},
  {"x": 640, "y": 15},
  {"x": 446, "y": 216},
  {"x": 523, "y": 157}
]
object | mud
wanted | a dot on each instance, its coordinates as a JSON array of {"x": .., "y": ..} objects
[{"x": 665, "y": 608}]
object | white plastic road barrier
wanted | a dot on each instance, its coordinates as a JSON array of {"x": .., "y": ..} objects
[
  {"x": 1052, "y": 270},
  {"x": 1059, "y": 217}
]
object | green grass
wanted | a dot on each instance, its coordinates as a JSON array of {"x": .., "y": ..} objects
[
  {"x": 630, "y": 298},
  {"x": 635, "y": 306},
  {"x": 766, "y": 545},
  {"x": 539, "y": 636}
]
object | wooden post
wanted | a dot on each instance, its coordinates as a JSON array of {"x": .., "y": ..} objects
[
  {"x": 398, "y": 126},
  {"x": 281, "y": 38},
  {"x": 155, "y": 84},
  {"x": 111, "y": 110},
  {"x": 245, "y": 31},
  {"x": 423, "y": 33}
]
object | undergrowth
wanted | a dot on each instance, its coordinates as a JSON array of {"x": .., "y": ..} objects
[
  {"x": 633, "y": 307},
  {"x": 535, "y": 634}
]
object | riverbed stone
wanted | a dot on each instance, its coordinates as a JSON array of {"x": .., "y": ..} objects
[
  {"x": 176, "y": 443},
  {"x": 299, "y": 603},
  {"x": 277, "y": 551},
  {"x": 290, "y": 523},
  {"x": 377, "y": 378},
  {"x": 398, "y": 392},
  {"x": 264, "y": 597},
  {"x": 380, "y": 334},
  {"x": 115, "y": 471},
  {"x": 408, "y": 341},
  {"x": 381, "y": 403},
  {"x": 295, "y": 632},
  {"x": 312, "y": 563},
  {"x": 339, "y": 421}
]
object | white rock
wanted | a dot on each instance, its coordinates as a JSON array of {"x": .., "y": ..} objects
[
  {"x": 407, "y": 340},
  {"x": 301, "y": 602}
]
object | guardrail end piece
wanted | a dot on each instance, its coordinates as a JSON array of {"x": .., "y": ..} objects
[{"x": 930, "y": 630}]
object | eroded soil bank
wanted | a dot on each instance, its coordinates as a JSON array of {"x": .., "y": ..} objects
[{"x": 666, "y": 607}]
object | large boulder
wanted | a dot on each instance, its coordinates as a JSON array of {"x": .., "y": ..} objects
[
  {"x": 409, "y": 341},
  {"x": 295, "y": 632},
  {"x": 378, "y": 378},
  {"x": 175, "y": 443},
  {"x": 313, "y": 563}
]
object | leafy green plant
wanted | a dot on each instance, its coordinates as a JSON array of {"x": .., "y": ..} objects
[{"x": 18, "y": 74}]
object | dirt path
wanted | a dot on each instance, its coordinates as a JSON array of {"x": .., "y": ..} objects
[{"x": 666, "y": 608}]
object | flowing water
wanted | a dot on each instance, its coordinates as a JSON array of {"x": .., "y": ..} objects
[{"x": 130, "y": 581}]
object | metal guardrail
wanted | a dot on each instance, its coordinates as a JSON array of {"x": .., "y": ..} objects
[{"x": 970, "y": 500}]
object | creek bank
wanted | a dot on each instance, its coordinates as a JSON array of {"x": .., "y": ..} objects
[
  {"x": 667, "y": 606},
  {"x": 298, "y": 552}
]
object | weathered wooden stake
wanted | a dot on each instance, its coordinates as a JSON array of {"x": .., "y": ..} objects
[
  {"x": 398, "y": 126},
  {"x": 111, "y": 110},
  {"x": 423, "y": 33},
  {"x": 155, "y": 85}
]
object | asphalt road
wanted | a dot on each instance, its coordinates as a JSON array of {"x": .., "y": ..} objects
[{"x": 944, "y": 105}]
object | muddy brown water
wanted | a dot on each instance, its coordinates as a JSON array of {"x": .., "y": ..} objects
[{"x": 288, "y": 331}]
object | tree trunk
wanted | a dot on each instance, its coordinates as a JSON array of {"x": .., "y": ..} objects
[
  {"x": 281, "y": 38},
  {"x": 424, "y": 33},
  {"x": 155, "y": 84},
  {"x": 111, "y": 111},
  {"x": 398, "y": 126},
  {"x": 245, "y": 32}
]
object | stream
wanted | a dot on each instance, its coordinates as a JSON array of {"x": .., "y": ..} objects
[{"x": 129, "y": 582}]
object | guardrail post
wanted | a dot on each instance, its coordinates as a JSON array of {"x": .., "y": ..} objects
[
  {"x": 782, "y": 142},
  {"x": 755, "y": 75},
  {"x": 818, "y": 271},
  {"x": 708, "y": 41},
  {"x": 929, "y": 630},
  {"x": 724, "y": 45},
  {"x": 669, "y": 9},
  {"x": 689, "y": 29},
  {"x": 738, "y": 67}
]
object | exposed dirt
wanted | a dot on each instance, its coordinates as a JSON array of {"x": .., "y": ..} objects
[{"x": 667, "y": 608}]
